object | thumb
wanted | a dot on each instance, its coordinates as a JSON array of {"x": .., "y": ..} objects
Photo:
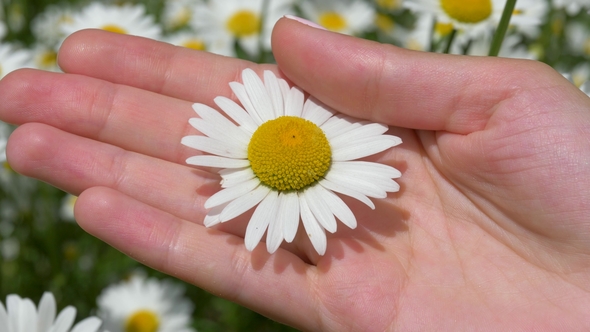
[{"x": 400, "y": 87}]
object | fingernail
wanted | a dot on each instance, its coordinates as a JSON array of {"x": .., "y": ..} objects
[{"x": 304, "y": 21}]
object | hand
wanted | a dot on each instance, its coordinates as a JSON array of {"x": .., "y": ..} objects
[{"x": 491, "y": 229}]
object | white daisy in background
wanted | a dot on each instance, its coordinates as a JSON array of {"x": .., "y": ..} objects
[
  {"x": 45, "y": 57},
  {"x": 572, "y": 7},
  {"x": 579, "y": 75},
  {"x": 12, "y": 59},
  {"x": 351, "y": 17},
  {"x": 178, "y": 14},
  {"x": 528, "y": 17},
  {"x": 145, "y": 305},
  {"x": 472, "y": 19},
  {"x": 66, "y": 211},
  {"x": 47, "y": 26},
  {"x": 578, "y": 38},
  {"x": 188, "y": 39},
  {"x": 427, "y": 31},
  {"x": 289, "y": 156},
  {"x": 126, "y": 19},
  {"x": 4, "y": 133},
  {"x": 229, "y": 21},
  {"x": 20, "y": 315}
]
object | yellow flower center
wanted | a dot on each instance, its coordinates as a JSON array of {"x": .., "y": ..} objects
[
  {"x": 472, "y": 11},
  {"x": 142, "y": 321},
  {"x": 194, "y": 44},
  {"x": 114, "y": 28},
  {"x": 289, "y": 153},
  {"x": 47, "y": 59},
  {"x": 332, "y": 21},
  {"x": 384, "y": 22},
  {"x": 243, "y": 23},
  {"x": 0, "y": 70},
  {"x": 443, "y": 29}
]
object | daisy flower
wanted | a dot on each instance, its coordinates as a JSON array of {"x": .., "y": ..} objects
[
  {"x": 21, "y": 315},
  {"x": 472, "y": 19},
  {"x": 229, "y": 21},
  {"x": 45, "y": 57},
  {"x": 578, "y": 38},
  {"x": 177, "y": 13},
  {"x": 47, "y": 26},
  {"x": 572, "y": 7},
  {"x": 350, "y": 17},
  {"x": 66, "y": 211},
  {"x": 125, "y": 19},
  {"x": 290, "y": 157},
  {"x": 189, "y": 39},
  {"x": 12, "y": 59},
  {"x": 4, "y": 133},
  {"x": 141, "y": 304},
  {"x": 528, "y": 17}
]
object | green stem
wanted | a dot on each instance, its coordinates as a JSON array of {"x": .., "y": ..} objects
[
  {"x": 502, "y": 28},
  {"x": 450, "y": 42}
]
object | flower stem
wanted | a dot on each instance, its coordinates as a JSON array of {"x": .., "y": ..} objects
[
  {"x": 450, "y": 41},
  {"x": 502, "y": 27}
]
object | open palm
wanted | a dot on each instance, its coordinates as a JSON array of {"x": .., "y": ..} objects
[{"x": 491, "y": 227}]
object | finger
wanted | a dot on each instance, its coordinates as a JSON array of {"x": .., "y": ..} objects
[
  {"x": 74, "y": 164},
  {"x": 400, "y": 87},
  {"x": 213, "y": 260},
  {"x": 151, "y": 65},
  {"x": 133, "y": 119}
]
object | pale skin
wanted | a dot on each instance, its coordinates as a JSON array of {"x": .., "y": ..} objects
[{"x": 490, "y": 231}]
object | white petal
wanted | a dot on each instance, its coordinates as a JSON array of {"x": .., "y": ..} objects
[
  {"x": 318, "y": 207},
  {"x": 258, "y": 94},
  {"x": 338, "y": 207},
  {"x": 236, "y": 112},
  {"x": 212, "y": 216},
  {"x": 64, "y": 320},
  {"x": 242, "y": 95},
  {"x": 338, "y": 125},
  {"x": 212, "y": 115},
  {"x": 347, "y": 191},
  {"x": 229, "y": 194},
  {"x": 316, "y": 112},
  {"x": 365, "y": 147},
  {"x": 46, "y": 311},
  {"x": 369, "y": 167},
  {"x": 219, "y": 162},
  {"x": 90, "y": 324},
  {"x": 284, "y": 88},
  {"x": 274, "y": 91},
  {"x": 264, "y": 214},
  {"x": 243, "y": 203},
  {"x": 232, "y": 176},
  {"x": 314, "y": 231},
  {"x": 289, "y": 212},
  {"x": 13, "y": 302},
  {"x": 375, "y": 178},
  {"x": 294, "y": 102},
  {"x": 234, "y": 135},
  {"x": 28, "y": 315},
  {"x": 3, "y": 318},
  {"x": 364, "y": 187},
  {"x": 275, "y": 235},
  {"x": 213, "y": 146},
  {"x": 368, "y": 130}
]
